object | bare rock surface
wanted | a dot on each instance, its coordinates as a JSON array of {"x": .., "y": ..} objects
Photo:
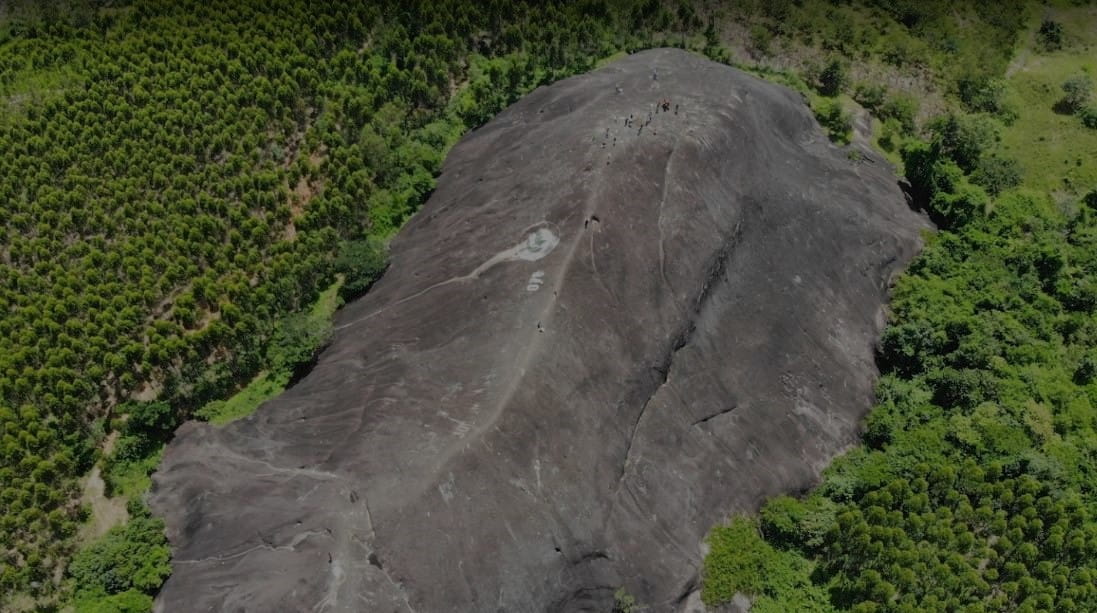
[{"x": 597, "y": 339}]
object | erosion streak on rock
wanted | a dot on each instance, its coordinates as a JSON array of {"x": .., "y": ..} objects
[{"x": 659, "y": 221}]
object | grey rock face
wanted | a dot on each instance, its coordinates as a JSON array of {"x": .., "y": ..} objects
[{"x": 597, "y": 339}]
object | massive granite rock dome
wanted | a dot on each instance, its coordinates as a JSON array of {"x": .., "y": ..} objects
[{"x": 611, "y": 326}]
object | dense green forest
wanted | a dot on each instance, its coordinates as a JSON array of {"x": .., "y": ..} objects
[
  {"x": 179, "y": 182},
  {"x": 183, "y": 186},
  {"x": 975, "y": 487}
]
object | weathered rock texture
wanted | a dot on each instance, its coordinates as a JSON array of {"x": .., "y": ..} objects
[{"x": 595, "y": 341}]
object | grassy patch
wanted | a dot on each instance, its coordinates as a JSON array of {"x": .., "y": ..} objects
[
  {"x": 33, "y": 88},
  {"x": 326, "y": 303},
  {"x": 263, "y": 387},
  {"x": 610, "y": 59},
  {"x": 1055, "y": 149},
  {"x": 269, "y": 383},
  {"x": 130, "y": 478}
]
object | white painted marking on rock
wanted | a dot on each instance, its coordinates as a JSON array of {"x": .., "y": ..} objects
[
  {"x": 536, "y": 280},
  {"x": 537, "y": 245}
]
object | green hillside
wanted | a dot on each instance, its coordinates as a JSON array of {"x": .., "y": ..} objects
[
  {"x": 179, "y": 178},
  {"x": 974, "y": 489},
  {"x": 183, "y": 183}
]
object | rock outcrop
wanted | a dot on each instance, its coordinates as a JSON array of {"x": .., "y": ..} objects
[{"x": 613, "y": 324}]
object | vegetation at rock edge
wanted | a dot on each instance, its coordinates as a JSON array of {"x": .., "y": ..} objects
[{"x": 189, "y": 189}]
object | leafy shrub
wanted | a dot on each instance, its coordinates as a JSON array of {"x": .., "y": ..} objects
[
  {"x": 964, "y": 138},
  {"x": 1086, "y": 371},
  {"x": 890, "y": 136},
  {"x": 150, "y": 419},
  {"x": 361, "y": 262},
  {"x": 1088, "y": 115},
  {"x": 623, "y": 602},
  {"x": 870, "y": 95},
  {"x": 791, "y": 523},
  {"x": 960, "y": 204},
  {"x": 134, "y": 556},
  {"x": 150, "y": 424},
  {"x": 906, "y": 347},
  {"x": 738, "y": 561},
  {"x": 1050, "y": 35},
  {"x": 1090, "y": 200},
  {"x": 835, "y": 119},
  {"x": 129, "y": 601},
  {"x": 761, "y": 39},
  {"x": 1076, "y": 93},
  {"x": 963, "y": 388},
  {"x": 902, "y": 51},
  {"x": 940, "y": 186},
  {"x": 297, "y": 340},
  {"x": 996, "y": 174},
  {"x": 982, "y": 94},
  {"x": 832, "y": 78},
  {"x": 903, "y": 109},
  {"x": 741, "y": 561}
]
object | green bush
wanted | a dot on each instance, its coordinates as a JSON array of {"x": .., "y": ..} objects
[
  {"x": 623, "y": 602},
  {"x": 1088, "y": 115},
  {"x": 738, "y": 561},
  {"x": 890, "y": 137},
  {"x": 940, "y": 185},
  {"x": 903, "y": 109},
  {"x": 741, "y": 561},
  {"x": 997, "y": 174},
  {"x": 964, "y": 138},
  {"x": 960, "y": 204},
  {"x": 297, "y": 339},
  {"x": 982, "y": 94},
  {"x": 870, "y": 95},
  {"x": 1076, "y": 93},
  {"x": 1086, "y": 372},
  {"x": 361, "y": 262},
  {"x": 152, "y": 420},
  {"x": 134, "y": 556},
  {"x": 780, "y": 520},
  {"x": 790, "y": 523},
  {"x": 833, "y": 77},
  {"x": 761, "y": 38},
  {"x": 129, "y": 601},
  {"x": 1050, "y": 35},
  {"x": 835, "y": 119}
]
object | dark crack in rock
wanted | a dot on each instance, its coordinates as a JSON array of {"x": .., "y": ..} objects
[{"x": 581, "y": 358}]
